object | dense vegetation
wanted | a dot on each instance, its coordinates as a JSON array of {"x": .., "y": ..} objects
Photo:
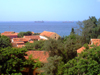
[
  {"x": 87, "y": 63},
  {"x": 12, "y": 61},
  {"x": 89, "y": 29},
  {"x": 63, "y": 58},
  {"x": 4, "y": 41},
  {"x": 37, "y": 45},
  {"x": 21, "y": 34}
]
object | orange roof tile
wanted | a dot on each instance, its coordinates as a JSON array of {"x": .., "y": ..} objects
[
  {"x": 31, "y": 41},
  {"x": 41, "y": 55},
  {"x": 20, "y": 42},
  {"x": 33, "y": 37},
  {"x": 80, "y": 49},
  {"x": 20, "y": 39},
  {"x": 6, "y": 33},
  {"x": 9, "y": 32},
  {"x": 95, "y": 42},
  {"x": 47, "y": 33}
]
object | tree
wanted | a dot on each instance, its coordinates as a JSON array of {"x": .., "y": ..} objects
[
  {"x": 72, "y": 31},
  {"x": 21, "y": 34},
  {"x": 37, "y": 45},
  {"x": 28, "y": 33},
  {"x": 11, "y": 60},
  {"x": 36, "y": 34},
  {"x": 29, "y": 63},
  {"x": 66, "y": 50},
  {"x": 86, "y": 63},
  {"x": 4, "y": 41},
  {"x": 54, "y": 66},
  {"x": 89, "y": 29},
  {"x": 55, "y": 48}
]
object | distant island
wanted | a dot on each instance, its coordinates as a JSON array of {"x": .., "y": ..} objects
[
  {"x": 39, "y": 21},
  {"x": 68, "y": 21}
]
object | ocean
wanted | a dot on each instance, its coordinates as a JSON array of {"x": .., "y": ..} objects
[{"x": 61, "y": 28}]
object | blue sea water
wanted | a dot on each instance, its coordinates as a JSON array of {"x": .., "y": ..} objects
[{"x": 63, "y": 29}]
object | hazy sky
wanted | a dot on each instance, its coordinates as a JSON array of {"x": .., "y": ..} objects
[{"x": 48, "y": 10}]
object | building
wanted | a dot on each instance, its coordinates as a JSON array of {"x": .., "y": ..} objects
[
  {"x": 10, "y": 34},
  {"x": 40, "y": 55},
  {"x": 34, "y": 37},
  {"x": 95, "y": 42},
  {"x": 51, "y": 35},
  {"x": 19, "y": 42},
  {"x": 80, "y": 49}
]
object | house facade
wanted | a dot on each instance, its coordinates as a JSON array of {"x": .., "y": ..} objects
[
  {"x": 10, "y": 34},
  {"x": 19, "y": 42},
  {"x": 51, "y": 35},
  {"x": 95, "y": 42}
]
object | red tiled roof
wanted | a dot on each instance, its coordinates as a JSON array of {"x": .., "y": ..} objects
[
  {"x": 18, "y": 44},
  {"x": 7, "y": 33},
  {"x": 41, "y": 55},
  {"x": 20, "y": 40},
  {"x": 31, "y": 41},
  {"x": 83, "y": 48},
  {"x": 80, "y": 49},
  {"x": 33, "y": 37},
  {"x": 47, "y": 33},
  {"x": 95, "y": 42}
]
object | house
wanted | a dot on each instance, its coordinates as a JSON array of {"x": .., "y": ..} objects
[
  {"x": 19, "y": 42},
  {"x": 95, "y": 42},
  {"x": 81, "y": 49},
  {"x": 10, "y": 34},
  {"x": 43, "y": 38},
  {"x": 51, "y": 35},
  {"x": 34, "y": 37},
  {"x": 40, "y": 55}
]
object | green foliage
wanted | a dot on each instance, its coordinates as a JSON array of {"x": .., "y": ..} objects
[
  {"x": 89, "y": 29},
  {"x": 31, "y": 64},
  {"x": 29, "y": 46},
  {"x": 36, "y": 34},
  {"x": 66, "y": 50},
  {"x": 4, "y": 41},
  {"x": 86, "y": 46},
  {"x": 21, "y": 34},
  {"x": 86, "y": 63},
  {"x": 28, "y": 33},
  {"x": 37, "y": 45},
  {"x": 54, "y": 66},
  {"x": 98, "y": 37},
  {"x": 72, "y": 31},
  {"x": 11, "y": 60},
  {"x": 55, "y": 48},
  {"x": 16, "y": 74}
]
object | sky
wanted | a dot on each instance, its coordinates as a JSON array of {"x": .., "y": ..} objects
[{"x": 48, "y": 10}]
